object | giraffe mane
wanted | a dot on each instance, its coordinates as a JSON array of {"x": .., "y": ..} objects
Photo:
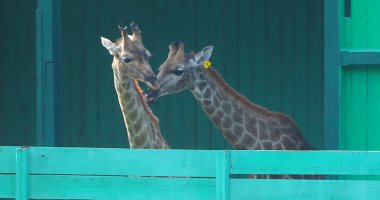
[
  {"x": 140, "y": 94},
  {"x": 214, "y": 75}
]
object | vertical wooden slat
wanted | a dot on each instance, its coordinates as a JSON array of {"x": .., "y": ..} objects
[
  {"x": 48, "y": 68},
  {"x": 91, "y": 57},
  {"x": 286, "y": 56},
  {"x": 189, "y": 106},
  {"x": 258, "y": 80},
  {"x": 315, "y": 73},
  {"x": 22, "y": 173},
  {"x": 373, "y": 101},
  {"x": 331, "y": 73},
  {"x": 272, "y": 50},
  {"x": 300, "y": 67},
  {"x": 223, "y": 175}
]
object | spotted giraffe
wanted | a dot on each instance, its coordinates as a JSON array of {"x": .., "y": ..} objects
[
  {"x": 244, "y": 124},
  {"x": 130, "y": 63}
]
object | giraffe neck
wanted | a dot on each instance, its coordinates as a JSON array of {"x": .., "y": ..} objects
[
  {"x": 143, "y": 127},
  {"x": 244, "y": 124}
]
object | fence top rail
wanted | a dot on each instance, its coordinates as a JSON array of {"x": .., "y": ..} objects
[{"x": 189, "y": 163}]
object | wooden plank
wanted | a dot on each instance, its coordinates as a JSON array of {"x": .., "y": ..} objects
[
  {"x": 7, "y": 189},
  {"x": 359, "y": 23},
  {"x": 346, "y": 107},
  {"x": 245, "y": 45},
  {"x": 259, "y": 70},
  {"x": 22, "y": 173},
  {"x": 301, "y": 82},
  {"x": 304, "y": 189},
  {"x": 24, "y": 130},
  {"x": 315, "y": 73},
  {"x": 7, "y": 159},
  {"x": 305, "y": 162},
  {"x": 331, "y": 74},
  {"x": 222, "y": 175},
  {"x": 123, "y": 162},
  {"x": 8, "y": 83},
  {"x": 360, "y": 57},
  {"x": 189, "y": 129},
  {"x": 358, "y": 135},
  {"x": 373, "y": 107},
  {"x": 287, "y": 57},
  {"x": 373, "y": 24},
  {"x": 72, "y": 74},
  {"x": 119, "y": 187},
  {"x": 91, "y": 57},
  {"x": 48, "y": 90},
  {"x": 272, "y": 51}
]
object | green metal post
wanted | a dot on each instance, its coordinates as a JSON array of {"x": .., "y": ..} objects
[
  {"x": 22, "y": 173},
  {"x": 331, "y": 73},
  {"x": 223, "y": 175},
  {"x": 48, "y": 67}
]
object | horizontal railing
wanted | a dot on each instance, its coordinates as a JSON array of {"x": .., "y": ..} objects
[{"x": 92, "y": 173}]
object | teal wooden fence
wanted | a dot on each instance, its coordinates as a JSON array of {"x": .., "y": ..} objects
[{"x": 92, "y": 173}]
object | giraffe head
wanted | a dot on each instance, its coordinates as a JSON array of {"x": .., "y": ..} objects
[
  {"x": 130, "y": 56},
  {"x": 178, "y": 72}
]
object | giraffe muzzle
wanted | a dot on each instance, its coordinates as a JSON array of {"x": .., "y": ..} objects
[{"x": 151, "y": 82}]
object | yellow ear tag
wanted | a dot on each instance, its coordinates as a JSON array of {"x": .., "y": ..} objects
[{"x": 207, "y": 64}]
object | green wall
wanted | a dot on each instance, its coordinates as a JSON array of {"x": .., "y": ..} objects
[
  {"x": 269, "y": 50},
  {"x": 17, "y": 72},
  {"x": 360, "y": 95}
]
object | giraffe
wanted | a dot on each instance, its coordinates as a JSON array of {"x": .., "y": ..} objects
[
  {"x": 244, "y": 124},
  {"x": 130, "y": 63}
]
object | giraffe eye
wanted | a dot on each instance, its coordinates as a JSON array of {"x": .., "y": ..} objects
[
  {"x": 178, "y": 72},
  {"x": 127, "y": 60}
]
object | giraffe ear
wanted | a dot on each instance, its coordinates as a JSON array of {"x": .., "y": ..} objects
[
  {"x": 110, "y": 46},
  {"x": 203, "y": 55}
]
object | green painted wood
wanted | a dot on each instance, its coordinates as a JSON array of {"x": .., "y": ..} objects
[
  {"x": 8, "y": 159},
  {"x": 222, "y": 175},
  {"x": 22, "y": 174},
  {"x": 302, "y": 189},
  {"x": 119, "y": 187},
  {"x": 301, "y": 45},
  {"x": 331, "y": 72},
  {"x": 7, "y": 189},
  {"x": 123, "y": 162},
  {"x": 76, "y": 178},
  {"x": 17, "y": 72},
  {"x": 315, "y": 75},
  {"x": 287, "y": 56},
  {"x": 373, "y": 98},
  {"x": 48, "y": 109},
  {"x": 305, "y": 162},
  {"x": 360, "y": 57},
  {"x": 272, "y": 49}
]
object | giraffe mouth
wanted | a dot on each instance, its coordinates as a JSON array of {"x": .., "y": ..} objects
[
  {"x": 151, "y": 82},
  {"x": 151, "y": 95}
]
